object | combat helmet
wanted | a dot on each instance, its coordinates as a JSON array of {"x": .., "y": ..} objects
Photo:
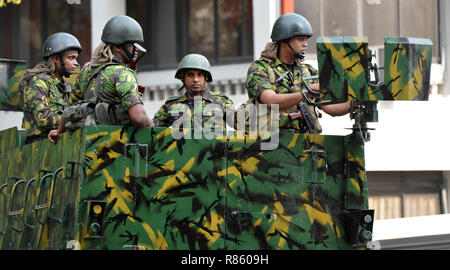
[
  {"x": 122, "y": 29},
  {"x": 60, "y": 42},
  {"x": 290, "y": 25},
  {"x": 194, "y": 61}
]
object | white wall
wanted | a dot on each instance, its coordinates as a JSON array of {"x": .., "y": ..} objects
[
  {"x": 265, "y": 12},
  {"x": 101, "y": 12},
  {"x": 411, "y": 227},
  {"x": 411, "y": 136},
  {"x": 10, "y": 119}
]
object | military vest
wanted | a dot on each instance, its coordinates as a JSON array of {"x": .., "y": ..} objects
[{"x": 93, "y": 110}]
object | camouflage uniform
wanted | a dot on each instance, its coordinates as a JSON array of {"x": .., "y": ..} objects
[
  {"x": 45, "y": 97},
  {"x": 117, "y": 84},
  {"x": 175, "y": 107},
  {"x": 274, "y": 75}
]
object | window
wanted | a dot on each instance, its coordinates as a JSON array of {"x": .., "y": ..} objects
[
  {"x": 25, "y": 27},
  {"x": 221, "y": 30},
  {"x": 372, "y": 19},
  {"x": 405, "y": 194}
]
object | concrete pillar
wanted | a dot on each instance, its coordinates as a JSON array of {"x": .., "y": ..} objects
[
  {"x": 445, "y": 192},
  {"x": 265, "y": 12},
  {"x": 101, "y": 12},
  {"x": 444, "y": 89}
]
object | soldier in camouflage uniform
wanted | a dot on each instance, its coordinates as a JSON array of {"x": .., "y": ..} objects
[
  {"x": 108, "y": 82},
  {"x": 276, "y": 78},
  {"x": 45, "y": 91},
  {"x": 194, "y": 71}
]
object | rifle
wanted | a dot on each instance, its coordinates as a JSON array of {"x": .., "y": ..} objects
[
  {"x": 303, "y": 110},
  {"x": 305, "y": 114}
]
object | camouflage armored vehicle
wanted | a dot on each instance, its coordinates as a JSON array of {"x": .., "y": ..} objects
[{"x": 120, "y": 187}]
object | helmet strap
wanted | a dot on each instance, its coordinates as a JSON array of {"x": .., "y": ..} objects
[
  {"x": 127, "y": 52},
  {"x": 298, "y": 55},
  {"x": 63, "y": 66}
]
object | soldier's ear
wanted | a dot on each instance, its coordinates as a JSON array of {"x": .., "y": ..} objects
[
  {"x": 55, "y": 59},
  {"x": 116, "y": 48}
]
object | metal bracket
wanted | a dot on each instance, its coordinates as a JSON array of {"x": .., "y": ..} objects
[
  {"x": 359, "y": 225},
  {"x": 96, "y": 215},
  {"x": 69, "y": 172},
  {"x": 140, "y": 153},
  {"x": 314, "y": 166}
]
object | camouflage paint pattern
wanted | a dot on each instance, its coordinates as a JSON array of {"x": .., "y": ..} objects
[
  {"x": 4, "y": 3},
  {"x": 112, "y": 187},
  {"x": 346, "y": 72},
  {"x": 176, "y": 107},
  {"x": 11, "y": 72},
  {"x": 38, "y": 194}
]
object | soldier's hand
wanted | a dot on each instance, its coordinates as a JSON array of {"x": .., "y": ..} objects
[
  {"x": 315, "y": 87},
  {"x": 53, "y": 136},
  {"x": 314, "y": 90}
]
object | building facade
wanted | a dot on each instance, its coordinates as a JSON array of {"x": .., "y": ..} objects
[{"x": 407, "y": 157}]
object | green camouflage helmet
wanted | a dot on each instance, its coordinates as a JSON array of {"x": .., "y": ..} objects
[
  {"x": 194, "y": 61},
  {"x": 122, "y": 29},
  {"x": 290, "y": 25},
  {"x": 60, "y": 42}
]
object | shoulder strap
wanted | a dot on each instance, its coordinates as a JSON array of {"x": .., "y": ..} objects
[
  {"x": 94, "y": 75},
  {"x": 270, "y": 70}
]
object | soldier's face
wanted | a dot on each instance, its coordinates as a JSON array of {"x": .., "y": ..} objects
[
  {"x": 299, "y": 43},
  {"x": 128, "y": 46},
  {"x": 70, "y": 61},
  {"x": 194, "y": 79}
]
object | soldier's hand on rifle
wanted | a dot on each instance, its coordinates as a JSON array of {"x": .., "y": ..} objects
[{"x": 315, "y": 87}]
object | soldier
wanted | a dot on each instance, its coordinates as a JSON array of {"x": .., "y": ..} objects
[
  {"x": 194, "y": 71},
  {"x": 276, "y": 78},
  {"x": 45, "y": 91},
  {"x": 108, "y": 82}
]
